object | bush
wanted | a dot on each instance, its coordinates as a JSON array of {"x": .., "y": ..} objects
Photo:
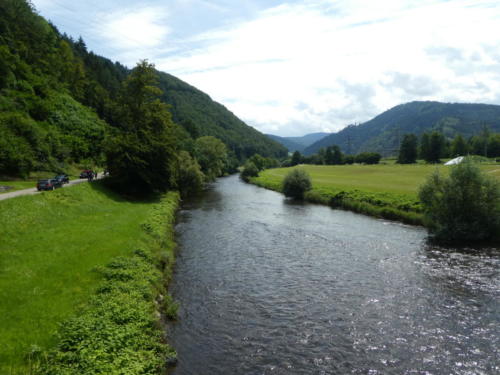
[
  {"x": 190, "y": 179},
  {"x": 296, "y": 183},
  {"x": 368, "y": 158},
  {"x": 462, "y": 207},
  {"x": 249, "y": 170}
]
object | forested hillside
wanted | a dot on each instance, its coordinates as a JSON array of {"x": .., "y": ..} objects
[
  {"x": 58, "y": 101},
  {"x": 201, "y": 116},
  {"x": 383, "y": 133}
]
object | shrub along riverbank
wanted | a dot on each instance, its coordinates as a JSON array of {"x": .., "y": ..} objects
[
  {"x": 98, "y": 264},
  {"x": 384, "y": 191}
]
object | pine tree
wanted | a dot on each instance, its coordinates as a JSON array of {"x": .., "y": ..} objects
[
  {"x": 142, "y": 157},
  {"x": 408, "y": 149},
  {"x": 458, "y": 146}
]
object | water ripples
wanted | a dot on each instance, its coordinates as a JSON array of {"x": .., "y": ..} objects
[{"x": 272, "y": 287}]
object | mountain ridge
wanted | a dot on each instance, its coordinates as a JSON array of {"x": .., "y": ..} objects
[
  {"x": 298, "y": 143},
  {"x": 384, "y": 132}
]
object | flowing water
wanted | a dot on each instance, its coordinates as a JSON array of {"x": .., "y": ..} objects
[{"x": 269, "y": 286}]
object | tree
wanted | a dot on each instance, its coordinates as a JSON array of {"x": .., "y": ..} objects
[
  {"x": 424, "y": 146},
  {"x": 190, "y": 177},
  {"x": 432, "y": 147},
  {"x": 368, "y": 158},
  {"x": 296, "y": 158},
  {"x": 249, "y": 170},
  {"x": 333, "y": 155},
  {"x": 458, "y": 146},
  {"x": 408, "y": 150},
  {"x": 142, "y": 156},
  {"x": 494, "y": 146},
  {"x": 296, "y": 183},
  {"x": 211, "y": 153},
  {"x": 258, "y": 161},
  {"x": 462, "y": 207}
]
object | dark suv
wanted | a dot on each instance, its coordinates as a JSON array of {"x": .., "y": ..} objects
[
  {"x": 86, "y": 173},
  {"x": 48, "y": 184},
  {"x": 63, "y": 178}
]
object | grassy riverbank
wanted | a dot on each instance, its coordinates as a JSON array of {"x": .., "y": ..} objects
[
  {"x": 79, "y": 253},
  {"x": 387, "y": 191}
]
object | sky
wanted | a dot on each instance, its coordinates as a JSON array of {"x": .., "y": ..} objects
[{"x": 295, "y": 67}]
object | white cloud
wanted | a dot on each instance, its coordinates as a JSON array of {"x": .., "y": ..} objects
[
  {"x": 132, "y": 29},
  {"x": 321, "y": 52},
  {"x": 305, "y": 65}
]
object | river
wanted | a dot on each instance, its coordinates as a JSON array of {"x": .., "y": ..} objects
[{"x": 271, "y": 286}]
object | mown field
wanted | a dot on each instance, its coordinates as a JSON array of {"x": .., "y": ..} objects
[
  {"x": 383, "y": 190},
  {"x": 51, "y": 245}
]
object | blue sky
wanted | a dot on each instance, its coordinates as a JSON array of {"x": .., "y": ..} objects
[{"x": 295, "y": 67}]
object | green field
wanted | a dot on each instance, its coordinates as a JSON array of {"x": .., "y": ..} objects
[
  {"x": 50, "y": 246},
  {"x": 385, "y": 190},
  {"x": 17, "y": 185}
]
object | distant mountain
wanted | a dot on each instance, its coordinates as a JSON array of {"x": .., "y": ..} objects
[
  {"x": 285, "y": 141},
  {"x": 298, "y": 143},
  {"x": 383, "y": 133}
]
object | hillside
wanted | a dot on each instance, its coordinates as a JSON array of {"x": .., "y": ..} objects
[
  {"x": 200, "y": 115},
  {"x": 285, "y": 141},
  {"x": 58, "y": 101},
  {"x": 382, "y": 133},
  {"x": 298, "y": 143}
]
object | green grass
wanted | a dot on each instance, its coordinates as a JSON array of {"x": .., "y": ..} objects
[
  {"x": 50, "y": 246},
  {"x": 384, "y": 190},
  {"x": 118, "y": 331},
  {"x": 17, "y": 185}
]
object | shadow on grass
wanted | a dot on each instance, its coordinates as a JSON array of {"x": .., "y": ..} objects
[{"x": 111, "y": 189}]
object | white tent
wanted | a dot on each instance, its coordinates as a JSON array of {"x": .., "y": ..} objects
[{"x": 455, "y": 161}]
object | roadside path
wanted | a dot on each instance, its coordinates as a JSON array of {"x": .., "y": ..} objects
[{"x": 32, "y": 191}]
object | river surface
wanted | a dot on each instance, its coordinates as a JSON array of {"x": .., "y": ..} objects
[{"x": 269, "y": 286}]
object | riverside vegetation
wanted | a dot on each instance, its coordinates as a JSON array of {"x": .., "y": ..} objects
[
  {"x": 95, "y": 262},
  {"x": 387, "y": 191}
]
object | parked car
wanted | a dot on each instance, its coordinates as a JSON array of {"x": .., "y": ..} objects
[
  {"x": 85, "y": 173},
  {"x": 63, "y": 178},
  {"x": 49, "y": 184}
]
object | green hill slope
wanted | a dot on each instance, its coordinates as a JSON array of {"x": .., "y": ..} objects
[
  {"x": 58, "y": 100},
  {"x": 201, "y": 116},
  {"x": 382, "y": 133}
]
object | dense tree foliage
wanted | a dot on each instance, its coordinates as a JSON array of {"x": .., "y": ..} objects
[
  {"x": 296, "y": 158},
  {"x": 59, "y": 101},
  {"x": 368, "y": 158},
  {"x": 296, "y": 183},
  {"x": 458, "y": 147},
  {"x": 142, "y": 155},
  {"x": 212, "y": 156},
  {"x": 190, "y": 177},
  {"x": 462, "y": 207},
  {"x": 249, "y": 170},
  {"x": 408, "y": 151}
]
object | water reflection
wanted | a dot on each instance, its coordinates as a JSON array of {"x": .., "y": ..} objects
[{"x": 268, "y": 285}]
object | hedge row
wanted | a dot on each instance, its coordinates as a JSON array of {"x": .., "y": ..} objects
[{"x": 119, "y": 331}]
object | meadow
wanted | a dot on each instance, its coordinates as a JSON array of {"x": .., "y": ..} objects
[
  {"x": 382, "y": 190},
  {"x": 53, "y": 247}
]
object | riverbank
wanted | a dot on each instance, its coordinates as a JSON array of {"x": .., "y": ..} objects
[
  {"x": 383, "y": 191},
  {"x": 92, "y": 266}
]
